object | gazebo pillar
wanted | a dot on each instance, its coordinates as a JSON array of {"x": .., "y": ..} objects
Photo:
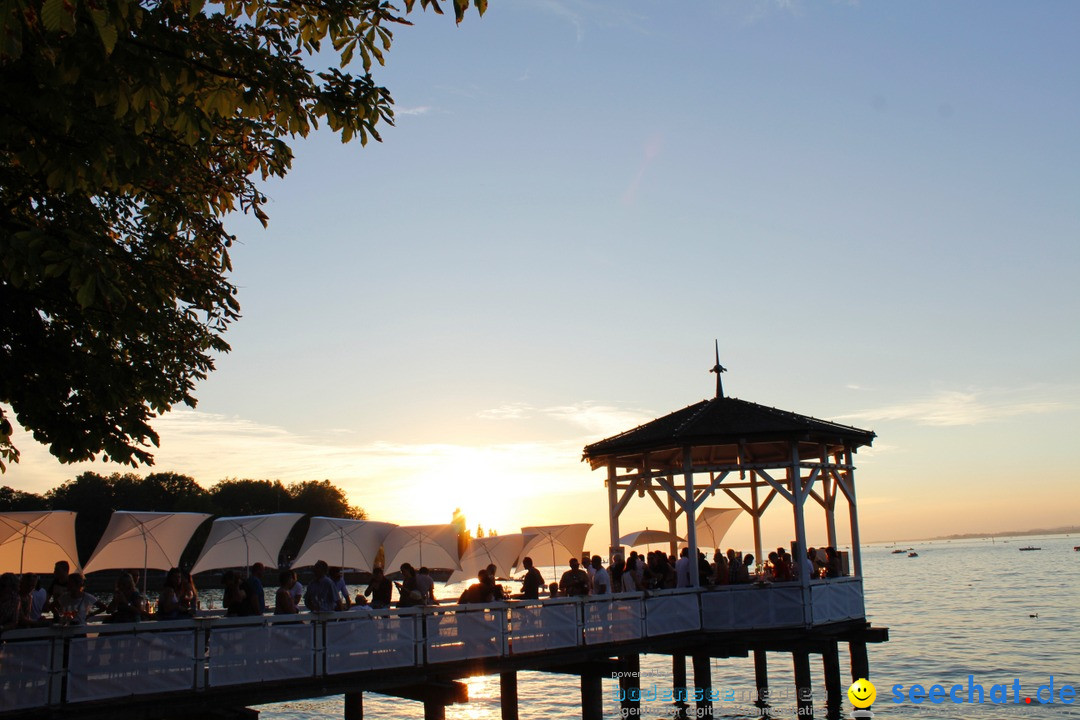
[
  {"x": 856, "y": 552},
  {"x": 613, "y": 510},
  {"x": 756, "y": 515},
  {"x": 691, "y": 512},
  {"x": 672, "y": 522},
  {"x": 795, "y": 474}
]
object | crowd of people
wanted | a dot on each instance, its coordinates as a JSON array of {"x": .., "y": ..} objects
[{"x": 27, "y": 601}]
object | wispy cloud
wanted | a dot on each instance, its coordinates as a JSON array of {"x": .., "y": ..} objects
[
  {"x": 418, "y": 110},
  {"x": 952, "y": 407},
  {"x": 594, "y": 419},
  {"x": 649, "y": 153},
  {"x": 512, "y": 411},
  {"x": 563, "y": 11}
]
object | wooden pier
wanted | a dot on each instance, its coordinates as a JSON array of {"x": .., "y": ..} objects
[{"x": 219, "y": 666}]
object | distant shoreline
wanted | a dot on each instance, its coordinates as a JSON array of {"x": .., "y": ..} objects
[{"x": 1068, "y": 530}]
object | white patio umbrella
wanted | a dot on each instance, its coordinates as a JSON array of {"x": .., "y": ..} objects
[
  {"x": 342, "y": 542},
  {"x": 435, "y": 546},
  {"x": 36, "y": 540},
  {"x": 712, "y": 524},
  {"x": 154, "y": 539},
  {"x": 502, "y": 550},
  {"x": 648, "y": 537},
  {"x": 245, "y": 540},
  {"x": 567, "y": 540}
]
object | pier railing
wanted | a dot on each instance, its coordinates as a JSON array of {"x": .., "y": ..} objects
[{"x": 76, "y": 664}]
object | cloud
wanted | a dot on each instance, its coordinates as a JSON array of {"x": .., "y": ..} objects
[
  {"x": 562, "y": 11},
  {"x": 649, "y": 153},
  {"x": 599, "y": 420},
  {"x": 511, "y": 411},
  {"x": 419, "y": 110},
  {"x": 951, "y": 408}
]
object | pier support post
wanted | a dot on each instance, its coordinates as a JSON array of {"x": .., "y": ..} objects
[
  {"x": 354, "y": 706},
  {"x": 804, "y": 689},
  {"x": 630, "y": 685},
  {"x": 678, "y": 683},
  {"x": 508, "y": 695},
  {"x": 592, "y": 697},
  {"x": 434, "y": 710},
  {"x": 761, "y": 679},
  {"x": 702, "y": 684},
  {"x": 830, "y": 659},
  {"x": 860, "y": 663}
]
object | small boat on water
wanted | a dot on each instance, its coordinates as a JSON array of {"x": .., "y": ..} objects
[
  {"x": 1076, "y": 548},
  {"x": 913, "y": 554},
  {"x": 894, "y": 552},
  {"x": 1029, "y": 548}
]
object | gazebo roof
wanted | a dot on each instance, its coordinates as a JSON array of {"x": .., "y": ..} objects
[{"x": 722, "y": 421}]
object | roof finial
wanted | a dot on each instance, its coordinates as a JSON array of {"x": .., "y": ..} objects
[{"x": 718, "y": 368}]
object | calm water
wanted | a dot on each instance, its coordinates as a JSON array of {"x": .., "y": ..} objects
[{"x": 961, "y": 608}]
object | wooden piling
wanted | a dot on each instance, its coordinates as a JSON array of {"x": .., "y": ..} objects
[
  {"x": 678, "y": 682},
  {"x": 434, "y": 710},
  {"x": 508, "y": 695},
  {"x": 592, "y": 697},
  {"x": 630, "y": 685},
  {"x": 354, "y": 706},
  {"x": 761, "y": 678},
  {"x": 830, "y": 660},
  {"x": 860, "y": 663},
  {"x": 804, "y": 689},
  {"x": 702, "y": 684}
]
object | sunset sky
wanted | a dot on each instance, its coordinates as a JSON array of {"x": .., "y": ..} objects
[{"x": 873, "y": 206}]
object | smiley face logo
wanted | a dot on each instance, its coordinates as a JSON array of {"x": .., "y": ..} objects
[{"x": 862, "y": 693}]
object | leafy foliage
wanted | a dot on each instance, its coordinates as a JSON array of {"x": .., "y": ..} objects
[{"x": 128, "y": 130}]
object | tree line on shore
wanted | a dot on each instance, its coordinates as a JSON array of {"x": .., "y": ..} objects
[{"x": 94, "y": 497}]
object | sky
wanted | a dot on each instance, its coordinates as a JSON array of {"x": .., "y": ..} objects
[{"x": 872, "y": 207}]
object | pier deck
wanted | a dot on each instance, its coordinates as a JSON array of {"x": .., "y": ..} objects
[{"x": 208, "y": 664}]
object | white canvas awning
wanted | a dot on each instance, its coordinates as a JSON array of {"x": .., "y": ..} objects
[
  {"x": 712, "y": 524},
  {"x": 502, "y": 550},
  {"x": 245, "y": 540},
  {"x": 557, "y": 543},
  {"x": 649, "y": 537},
  {"x": 435, "y": 546},
  {"x": 144, "y": 539},
  {"x": 341, "y": 542},
  {"x": 36, "y": 540}
]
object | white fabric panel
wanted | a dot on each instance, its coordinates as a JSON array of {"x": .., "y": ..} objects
[
  {"x": 244, "y": 540},
  {"x": 534, "y": 628},
  {"x": 435, "y": 546},
  {"x": 32, "y": 541},
  {"x": 667, "y": 614},
  {"x": 116, "y": 665},
  {"x": 787, "y": 606},
  {"x": 261, "y": 653},
  {"x": 613, "y": 620},
  {"x": 717, "y": 610},
  {"x": 144, "y": 539},
  {"x": 24, "y": 674},
  {"x": 460, "y": 635},
  {"x": 341, "y": 542},
  {"x": 370, "y": 642}
]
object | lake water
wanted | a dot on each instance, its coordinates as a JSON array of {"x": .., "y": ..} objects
[{"x": 961, "y": 608}]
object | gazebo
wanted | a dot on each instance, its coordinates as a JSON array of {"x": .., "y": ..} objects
[{"x": 749, "y": 452}]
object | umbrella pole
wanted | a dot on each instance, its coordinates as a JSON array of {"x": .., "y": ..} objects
[{"x": 22, "y": 550}]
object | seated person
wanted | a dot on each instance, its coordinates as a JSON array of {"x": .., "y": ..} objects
[
  {"x": 478, "y": 592},
  {"x": 127, "y": 602}
]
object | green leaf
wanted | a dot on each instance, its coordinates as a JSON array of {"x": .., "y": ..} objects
[
  {"x": 85, "y": 296},
  {"x": 196, "y": 7},
  {"x": 52, "y": 14}
]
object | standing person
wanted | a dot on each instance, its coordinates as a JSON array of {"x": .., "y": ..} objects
[
  {"x": 233, "y": 597},
  {"x": 532, "y": 582},
  {"x": 682, "y": 570},
  {"x": 380, "y": 589},
  {"x": 189, "y": 594},
  {"x": 256, "y": 594},
  {"x": 601, "y": 581},
  {"x": 408, "y": 595},
  {"x": 498, "y": 594},
  {"x": 342, "y": 600},
  {"x": 319, "y": 596},
  {"x": 283, "y": 598},
  {"x": 629, "y": 576},
  {"x": 426, "y": 585},
  {"x": 58, "y": 585},
  {"x": 574, "y": 581},
  {"x": 10, "y": 604}
]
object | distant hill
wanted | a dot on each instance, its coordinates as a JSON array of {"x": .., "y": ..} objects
[{"x": 1067, "y": 530}]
